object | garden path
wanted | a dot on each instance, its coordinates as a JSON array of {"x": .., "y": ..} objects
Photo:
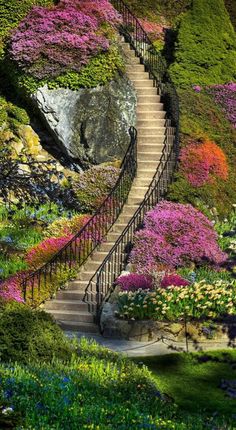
[{"x": 133, "y": 348}]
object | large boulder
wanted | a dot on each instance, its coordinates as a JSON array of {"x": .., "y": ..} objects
[{"x": 90, "y": 125}]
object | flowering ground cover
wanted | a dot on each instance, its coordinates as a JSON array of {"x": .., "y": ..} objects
[{"x": 53, "y": 383}]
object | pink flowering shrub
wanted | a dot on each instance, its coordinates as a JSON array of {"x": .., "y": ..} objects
[
  {"x": 10, "y": 289},
  {"x": 50, "y": 41},
  {"x": 202, "y": 163},
  {"x": 225, "y": 96},
  {"x": 134, "y": 281},
  {"x": 154, "y": 31},
  {"x": 176, "y": 235},
  {"x": 44, "y": 251},
  {"x": 102, "y": 10},
  {"x": 175, "y": 280}
]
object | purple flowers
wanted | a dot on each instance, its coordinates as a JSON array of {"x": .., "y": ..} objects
[
  {"x": 175, "y": 235},
  {"x": 197, "y": 88},
  {"x": 134, "y": 282},
  {"x": 50, "y": 41},
  {"x": 225, "y": 96}
]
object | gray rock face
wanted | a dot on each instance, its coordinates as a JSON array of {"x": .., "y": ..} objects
[{"x": 90, "y": 125}]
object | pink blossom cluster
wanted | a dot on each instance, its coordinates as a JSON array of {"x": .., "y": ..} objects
[
  {"x": 50, "y": 41},
  {"x": 10, "y": 289},
  {"x": 203, "y": 162},
  {"x": 176, "y": 235},
  {"x": 155, "y": 31},
  {"x": 44, "y": 251},
  {"x": 225, "y": 96},
  {"x": 102, "y": 10},
  {"x": 175, "y": 280},
  {"x": 134, "y": 281}
]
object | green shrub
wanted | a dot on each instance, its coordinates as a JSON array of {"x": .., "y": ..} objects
[
  {"x": 231, "y": 7},
  {"x": 206, "y": 46},
  {"x": 27, "y": 335},
  {"x": 155, "y": 9}
]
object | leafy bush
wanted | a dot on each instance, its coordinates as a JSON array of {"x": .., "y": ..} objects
[
  {"x": 206, "y": 46},
  {"x": 202, "y": 163},
  {"x": 173, "y": 302},
  {"x": 27, "y": 335},
  {"x": 231, "y": 7},
  {"x": 13, "y": 11},
  {"x": 225, "y": 96},
  {"x": 133, "y": 282},
  {"x": 50, "y": 41},
  {"x": 176, "y": 235},
  {"x": 93, "y": 186}
]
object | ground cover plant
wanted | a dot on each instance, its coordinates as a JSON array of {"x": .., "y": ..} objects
[
  {"x": 64, "y": 375},
  {"x": 198, "y": 381}
]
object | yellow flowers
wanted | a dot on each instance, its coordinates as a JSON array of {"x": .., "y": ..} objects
[{"x": 197, "y": 300}]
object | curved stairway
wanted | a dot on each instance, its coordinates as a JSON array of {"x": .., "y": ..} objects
[{"x": 68, "y": 307}]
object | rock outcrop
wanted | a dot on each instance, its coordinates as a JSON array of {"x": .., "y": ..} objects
[{"x": 89, "y": 125}]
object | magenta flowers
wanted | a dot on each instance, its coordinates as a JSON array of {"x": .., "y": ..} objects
[
  {"x": 225, "y": 96},
  {"x": 176, "y": 235},
  {"x": 175, "y": 280},
  {"x": 50, "y": 41},
  {"x": 134, "y": 282}
]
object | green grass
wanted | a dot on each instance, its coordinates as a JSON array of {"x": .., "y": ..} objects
[{"x": 194, "y": 384}]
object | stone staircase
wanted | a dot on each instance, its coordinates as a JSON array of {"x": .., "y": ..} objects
[{"x": 68, "y": 308}]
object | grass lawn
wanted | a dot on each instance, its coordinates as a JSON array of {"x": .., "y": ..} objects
[{"x": 193, "y": 380}]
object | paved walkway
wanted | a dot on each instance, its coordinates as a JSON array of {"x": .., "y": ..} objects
[{"x": 145, "y": 349}]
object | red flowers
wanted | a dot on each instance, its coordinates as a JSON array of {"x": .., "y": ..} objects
[{"x": 203, "y": 163}]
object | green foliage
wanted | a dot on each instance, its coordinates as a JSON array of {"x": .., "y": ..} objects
[
  {"x": 27, "y": 335},
  {"x": 194, "y": 381},
  {"x": 202, "y": 118},
  {"x": 206, "y": 46},
  {"x": 231, "y": 7},
  {"x": 100, "y": 70},
  {"x": 11, "y": 115},
  {"x": 155, "y": 9}
]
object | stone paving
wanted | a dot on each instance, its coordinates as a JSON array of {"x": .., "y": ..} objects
[{"x": 145, "y": 349}]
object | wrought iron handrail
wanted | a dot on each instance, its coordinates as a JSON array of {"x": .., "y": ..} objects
[
  {"x": 74, "y": 254},
  {"x": 101, "y": 283}
]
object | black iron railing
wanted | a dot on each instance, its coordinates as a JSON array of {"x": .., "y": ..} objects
[
  {"x": 74, "y": 254},
  {"x": 102, "y": 282}
]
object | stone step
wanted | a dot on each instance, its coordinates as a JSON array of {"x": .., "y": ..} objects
[
  {"x": 132, "y": 60},
  {"x": 79, "y": 326},
  {"x": 70, "y": 295},
  {"x": 119, "y": 228},
  {"x": 151, "y": 140},
  {"x": 138, "y": 75},
  {"x": 98, "y": 255},
  {"x": 142, "y": 182},
  {"x": 86, "y": 275},
  {"x": 65, "y": 304},
  {"x": 71, "y": 316},
  {"x": 137, "y": 68},
  {"x": 106, "y": 246},
  {"x": 146, "y": 91},
  {"x": 78, "y": 284},
  {"x": 124, "y": 219},
  {"x": 150, "y": 115},
  {"x": 143, "y": 83},
  {"x": 143, "y": 172},
  {"x": 150, "y": 149},
  {"x": 130, "y": 210},
  {"x": 151, "y": 131},
  {"x": 137, "y": 200},
  {"x": 148, "y": 99},
  {"x": 149, "y": 156},
  {"x": 112, "y": 237},
  {"x": 150, "y": 123},
  {"x": 150, "y": 107},
  {"x": 144, "y": 164},
  {"x": 94, "y": 264}
]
